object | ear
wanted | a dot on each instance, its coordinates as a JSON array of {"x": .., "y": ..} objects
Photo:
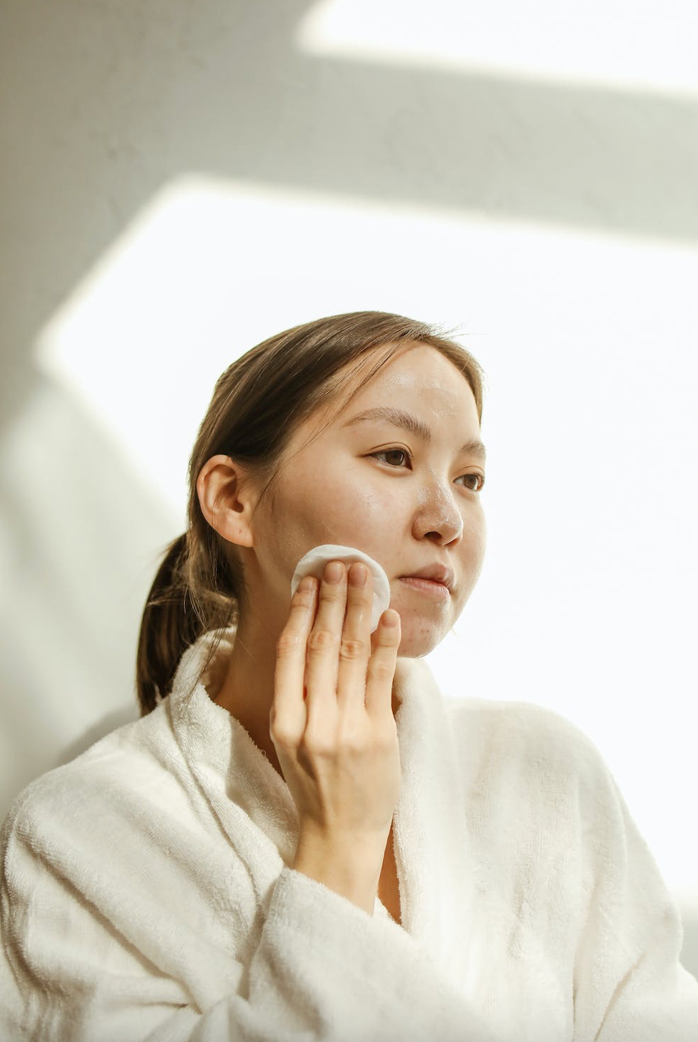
[{"x": 227, "y": 499}]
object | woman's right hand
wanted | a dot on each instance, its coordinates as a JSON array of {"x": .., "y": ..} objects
[{"x": 332, "y": 721}]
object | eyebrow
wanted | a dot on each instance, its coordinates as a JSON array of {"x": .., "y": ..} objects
[{"x": 400, "y": 418}]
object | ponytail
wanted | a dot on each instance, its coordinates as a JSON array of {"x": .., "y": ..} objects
[{"x": 169, "y": 626}]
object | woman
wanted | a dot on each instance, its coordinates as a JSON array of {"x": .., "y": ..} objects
[{"x": 300, "y": 839}]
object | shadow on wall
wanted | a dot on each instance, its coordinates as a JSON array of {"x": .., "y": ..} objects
[
  {"x": 103, "y": 727},
  {"x": 74, "y": 522},
  {"x": 223, "y": 90}
]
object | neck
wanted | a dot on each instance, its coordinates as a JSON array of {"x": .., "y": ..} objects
[{"x": 247, "y": 691}]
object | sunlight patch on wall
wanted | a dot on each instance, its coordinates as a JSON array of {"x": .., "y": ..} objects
[
  {"x": 206, "y": 270},
  {"x": 626, "y": 45}
]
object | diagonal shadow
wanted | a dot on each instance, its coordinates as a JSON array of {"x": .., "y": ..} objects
[
  {"x": 113, "y": 107},
  {"x": 80, "y": 536}
]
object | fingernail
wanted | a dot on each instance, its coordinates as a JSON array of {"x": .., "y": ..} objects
[
  {"x": 357, "y": 575},
  {"x": 333, "y": 572}
]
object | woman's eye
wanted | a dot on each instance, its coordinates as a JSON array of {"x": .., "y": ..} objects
[
  {"x": 392, "y": 452},
  {"x": 403, "y": 452}
]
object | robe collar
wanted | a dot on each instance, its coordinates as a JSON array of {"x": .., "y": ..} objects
[{"x": 437, "y": 879}]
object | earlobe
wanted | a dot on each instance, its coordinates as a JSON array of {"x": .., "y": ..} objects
[{"x": 225, "y": 500}]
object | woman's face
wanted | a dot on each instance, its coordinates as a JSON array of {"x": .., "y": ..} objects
[{"x": 406, "y": 501}]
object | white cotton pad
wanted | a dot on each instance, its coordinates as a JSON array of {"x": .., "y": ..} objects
[{"x": 314, "y": 564}]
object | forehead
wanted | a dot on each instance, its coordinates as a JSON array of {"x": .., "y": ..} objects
[
  {"x": 419, "y": 373},
  {"x": 418, "y": 376}
]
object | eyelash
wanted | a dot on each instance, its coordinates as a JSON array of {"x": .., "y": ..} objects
[{"x": 385, "y": 452}]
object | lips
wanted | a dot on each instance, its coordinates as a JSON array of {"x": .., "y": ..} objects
[{"x": 437, "y": 573}]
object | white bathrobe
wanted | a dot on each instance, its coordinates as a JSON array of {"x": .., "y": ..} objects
[{"x": 147, "y": 893}]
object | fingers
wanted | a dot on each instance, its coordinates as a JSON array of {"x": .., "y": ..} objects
[
  {"x": 325, "y": 639},
  {"x": 332, "y": 654},
  {"x": 291, "y": 647},
  {"x": 382, "y": 663},
  {"x": 355, "y": 647},
  {"x": 356, "y": 668}
]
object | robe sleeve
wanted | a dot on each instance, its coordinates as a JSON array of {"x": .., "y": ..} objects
[
  {"x": 323, "y": 969},
  {"x": 629, "y": 983}
]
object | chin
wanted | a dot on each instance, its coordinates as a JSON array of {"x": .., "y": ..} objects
[{"x": 418, "y": 639}]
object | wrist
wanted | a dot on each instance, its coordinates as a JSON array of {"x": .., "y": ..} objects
[{"x": 345, "y": 868}]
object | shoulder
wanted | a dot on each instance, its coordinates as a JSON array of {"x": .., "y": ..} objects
[
  {"x": 129, "y": 763},
  {"x": 528, "y": 771},
  {"x": 527, "y": 739},
  {"x": 524, "y": 725}
]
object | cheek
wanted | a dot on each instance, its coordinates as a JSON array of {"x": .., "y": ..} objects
[
  {"x": 346, "y": 506},
  {"x": 475, "y": 534},
  {"x": 474, "y": 546},
  {"x": 359, "y": 507}
]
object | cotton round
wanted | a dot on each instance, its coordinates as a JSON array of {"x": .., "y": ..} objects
[{"x": 313, "y": 563}]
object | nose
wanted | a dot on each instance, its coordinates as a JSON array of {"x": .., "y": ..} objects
[{"x": 439, "y": 515}]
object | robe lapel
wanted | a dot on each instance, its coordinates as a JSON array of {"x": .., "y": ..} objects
[
  {"x": 438, "y": 882},
  {"x": 453, "y": 906},
  {"x": 255, "y": 808}
]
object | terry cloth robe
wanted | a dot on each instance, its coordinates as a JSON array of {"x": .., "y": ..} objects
[{"x": 147, "y": 891}]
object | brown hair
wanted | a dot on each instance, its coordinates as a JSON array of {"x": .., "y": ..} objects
[{"x": 257, "y": 405}]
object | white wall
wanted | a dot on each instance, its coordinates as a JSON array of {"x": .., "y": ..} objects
[{"x": 179, "y": 183}]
